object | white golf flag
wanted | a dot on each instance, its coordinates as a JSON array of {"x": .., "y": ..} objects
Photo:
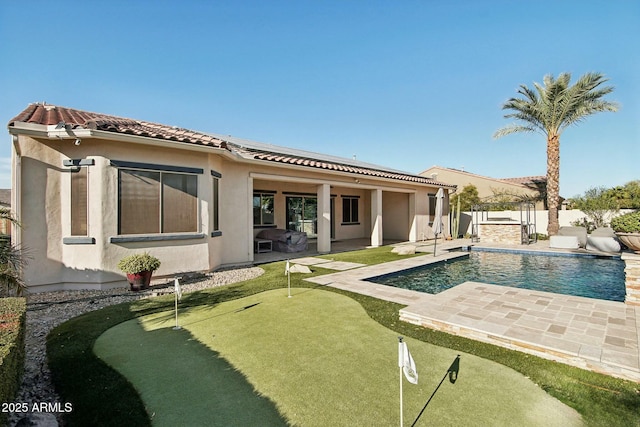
[
  {"x": 405, "y": 361},
  {"x": 178, "y": 290},
  {"x": 286, "y": 269}
]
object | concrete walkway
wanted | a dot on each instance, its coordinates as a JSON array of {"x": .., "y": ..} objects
[{"x": 598, "y": 335}]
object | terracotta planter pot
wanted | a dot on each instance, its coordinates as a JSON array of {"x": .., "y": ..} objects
[
  {"x": 139, "y": 281},
  {"x": 630, "y": 240}
]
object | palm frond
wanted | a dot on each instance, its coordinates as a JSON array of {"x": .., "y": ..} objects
[
  {"x": 12, "y": 261},
  {"x": 6, "y": 214},
  {"x": 513, "y": 128},
  {"x": 555, "y": 105}
]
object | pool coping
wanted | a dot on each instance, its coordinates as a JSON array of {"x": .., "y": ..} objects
[{"x": 588, "y": 333}]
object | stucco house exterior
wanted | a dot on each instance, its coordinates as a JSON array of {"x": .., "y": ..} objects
[
  {"x": 488, "y": 187},
  {"x": 92, "y": 188}
]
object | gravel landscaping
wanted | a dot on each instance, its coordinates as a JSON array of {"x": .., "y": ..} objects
[{"x": 49, "y": 309}]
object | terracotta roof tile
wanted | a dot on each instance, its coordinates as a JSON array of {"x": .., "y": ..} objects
[
  {"x": 377, "y": 173},
  {"x": 526, "y": 179},
  {"x": 44, "y": 114}
]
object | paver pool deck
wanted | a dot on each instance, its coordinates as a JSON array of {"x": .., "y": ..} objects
[{"x": 593, "y": 334}]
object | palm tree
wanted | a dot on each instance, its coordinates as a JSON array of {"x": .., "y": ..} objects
[{"x": 549, "y": 110}]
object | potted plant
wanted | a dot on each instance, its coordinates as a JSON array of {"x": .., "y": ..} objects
[
  {"x": 139, "y": 268},
  {"x": 627, "y": 228}
]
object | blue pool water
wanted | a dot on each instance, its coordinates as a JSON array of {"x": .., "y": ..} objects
[{"x": 592, "y": 277}]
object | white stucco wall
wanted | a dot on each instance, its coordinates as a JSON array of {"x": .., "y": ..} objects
[{"x": 541, "y": 218}]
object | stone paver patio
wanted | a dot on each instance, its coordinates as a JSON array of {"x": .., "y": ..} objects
[{"x": 598, "y": 335}]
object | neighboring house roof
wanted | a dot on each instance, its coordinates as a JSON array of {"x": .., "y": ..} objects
[
  {"x": 71, "y": 119},
  {"x": 5, "y": 197},
  {"x": 526, "y": 181}
]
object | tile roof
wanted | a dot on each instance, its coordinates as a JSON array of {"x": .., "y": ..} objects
[
  {"x": 524, "y": 180},
  {"x": 285, "y": 155},
  {"x": 44, "y": 114}
]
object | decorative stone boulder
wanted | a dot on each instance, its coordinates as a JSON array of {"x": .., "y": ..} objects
[
  {"x": 404, "y": 250},
  {"x": 299, "y": 268}
]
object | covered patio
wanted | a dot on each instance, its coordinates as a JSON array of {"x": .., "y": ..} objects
[{"x": 337, "y": 246}]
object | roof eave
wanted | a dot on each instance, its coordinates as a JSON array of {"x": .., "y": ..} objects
[
  {"x": 246, "y": 159},
  {"x": 50, "y": 132}
]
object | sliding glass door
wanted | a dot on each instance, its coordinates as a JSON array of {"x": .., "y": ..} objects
[{"x": 302, "y": 214}]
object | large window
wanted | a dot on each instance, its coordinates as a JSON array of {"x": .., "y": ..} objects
[
  {"x": 215, "y": 176},
  {"x": 157, "y": 202},
  {"x": 79, "y": 209},
  {"x": 263, "y": 209},
  {"x": 78, "y": 201},
  {"x": 350, "y": 209},
  {"x": 432, "y": 203}
]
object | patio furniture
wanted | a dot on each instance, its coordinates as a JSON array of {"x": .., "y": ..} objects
[
  {"x": 262, "y": 245},
  {"x": 579, "y": 232},
  {"x": 564, "y": 242},
  {"x": 285, "y": 240},
  {"x": 604, "y": 240}
]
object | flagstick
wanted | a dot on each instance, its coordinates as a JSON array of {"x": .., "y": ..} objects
[
  {"x": 289, "y": 279},
  {"x": 177, "y": 327},
  {"x": 400, "y": 357},
  {"x": 401, "y": 421}
]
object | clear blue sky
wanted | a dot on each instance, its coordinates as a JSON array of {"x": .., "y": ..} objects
[{"x": 405, "y": 84}]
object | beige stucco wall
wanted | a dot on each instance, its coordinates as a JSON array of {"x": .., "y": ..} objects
[
  {"x": 45, "y": 214},
  {"x": 486, "y": 186},
  {"x": 395, "y": 221},
  {"x": 44, "y": 209}
]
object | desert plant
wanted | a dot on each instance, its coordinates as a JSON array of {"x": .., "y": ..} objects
[
  {"x": 598, "y": 204},
  {"x": 468, "y": 197},
  {"x": 12, "y": 259},
  {"x": 137, "y": 263},
  {"x": 627, "y": 223},
  {"x": 584, "y": 222}
]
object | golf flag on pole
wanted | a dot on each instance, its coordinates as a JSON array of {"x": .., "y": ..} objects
[
  {"x": 287, "y": 272},
  {"x": 178, "y": 295},
  {"x": 176, "y": 284},
  {"x": 405, "y": 361}
]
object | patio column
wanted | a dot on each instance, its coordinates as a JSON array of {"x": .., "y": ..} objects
[
  {"x": 324, "y": 218},
  {"x": 249, "y": 241},
  {"x": 413, "y": 220},
  {"x": 376, "y": 218}
]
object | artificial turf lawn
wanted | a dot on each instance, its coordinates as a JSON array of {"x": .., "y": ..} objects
[
  {"x": 317, "y": 359},
  {"x": 102, "y": 397}
]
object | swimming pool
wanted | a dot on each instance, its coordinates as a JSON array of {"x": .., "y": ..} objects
[{"x": 585, "y": 276}]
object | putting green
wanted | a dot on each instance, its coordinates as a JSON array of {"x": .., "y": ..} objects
[{"x": 315, "y": 359}]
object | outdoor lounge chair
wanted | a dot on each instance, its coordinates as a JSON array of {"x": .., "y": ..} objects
[
  {"x": 604, "y": 240},
  {"x": 569, "y": 238},
  {"x": 579, "y": 232}
]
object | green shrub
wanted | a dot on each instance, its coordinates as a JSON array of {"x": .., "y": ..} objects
[
  {"x": 12, "y": 332},
  {"x": 627, "y": 223},
  {"x": 139, "y": 262}
]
